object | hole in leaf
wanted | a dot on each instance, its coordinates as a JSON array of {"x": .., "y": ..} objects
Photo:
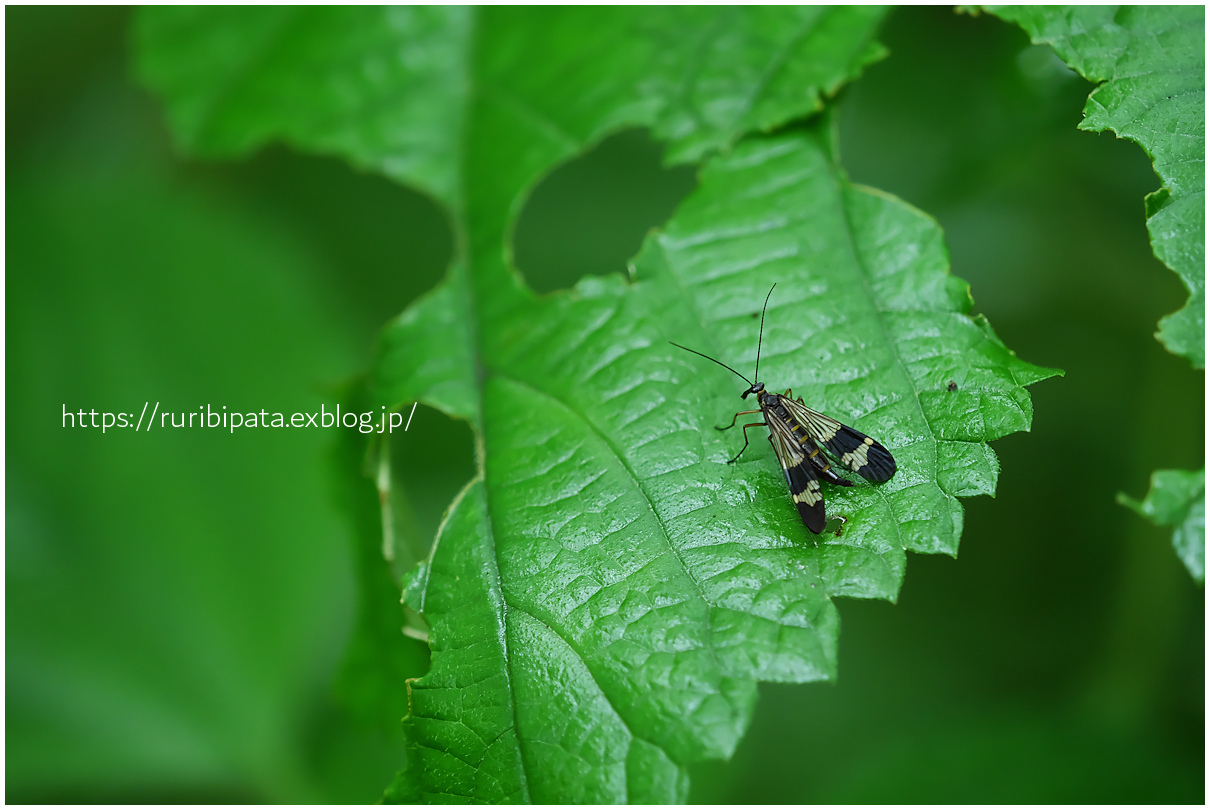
[
  {"x": 589, "y": 216},
  {"x": 430, "y": 464},
  {"x": 836, "y": 525}
]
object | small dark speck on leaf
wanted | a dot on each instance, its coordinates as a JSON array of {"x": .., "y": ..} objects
[{"x": 951, "y": 386}]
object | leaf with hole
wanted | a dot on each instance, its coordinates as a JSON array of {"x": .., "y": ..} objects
[
  {"x": 606, "y": 593},
  {"x": 617, "y": 555}
]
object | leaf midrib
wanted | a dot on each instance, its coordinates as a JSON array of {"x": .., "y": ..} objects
[
  {"x": 648, "y": 502},
  {"x": 481, "y": 89}
]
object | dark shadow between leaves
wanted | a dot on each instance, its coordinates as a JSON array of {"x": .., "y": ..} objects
[{"x": 430, "y": 464}]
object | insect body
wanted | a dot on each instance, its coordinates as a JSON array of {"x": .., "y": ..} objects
[{"x": 798, "y": 433}]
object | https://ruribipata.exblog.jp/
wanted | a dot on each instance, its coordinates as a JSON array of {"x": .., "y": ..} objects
[{"x": 383, "y": 421}]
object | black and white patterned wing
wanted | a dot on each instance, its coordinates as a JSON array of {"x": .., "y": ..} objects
[
  {"x": 853, "y": 449},
  {"x": 800, "y": 475}
]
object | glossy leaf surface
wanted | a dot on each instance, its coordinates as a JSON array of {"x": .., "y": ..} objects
[
  {"x": 619, "y": 552},
  {"x": 605, "y": 595}
]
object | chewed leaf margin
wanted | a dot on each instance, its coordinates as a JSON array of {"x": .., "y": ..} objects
[
  {"x": 1149, "y": 65},
  {"x": 610, "y": 519}
]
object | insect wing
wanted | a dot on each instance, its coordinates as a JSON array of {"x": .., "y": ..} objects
[
  {"x": 823, "y": 470},
  {"x": 800, "y": 474},
  {"x": 852, "y": 448}
]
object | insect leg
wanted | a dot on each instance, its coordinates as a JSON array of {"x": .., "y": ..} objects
[
  {"x": 790, "y": 395},
  {"x": 737, "y": 416},
  {"x": 745, "y": 447}
]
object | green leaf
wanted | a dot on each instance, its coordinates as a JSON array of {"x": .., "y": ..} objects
[
  {"x": 617, "y": 555},
  {"x": 1178, "y": 498},
  {"x": 1150, "y": 61},
  {"x": 406, "y": 91},
  {"x": 1150, "y": 64},
  {"x": 605, "y": 595}
]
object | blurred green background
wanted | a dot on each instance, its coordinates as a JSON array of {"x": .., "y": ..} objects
[{"x": 184, "y": 615}]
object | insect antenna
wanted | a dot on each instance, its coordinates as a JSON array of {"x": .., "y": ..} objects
[
  {"x": 712, "y": 360},
  {"x": 761, "y": 337}
]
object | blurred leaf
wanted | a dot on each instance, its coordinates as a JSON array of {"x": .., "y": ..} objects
[
  {"x": 179, "y": 591},
  {"x": 390, "y": 88},
  {"x": 605, "y": 594},
  {"x": 1178, "y": 498},
  {"x": 377, "y": 659},
  {"x": 1151, "y": 63}
]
